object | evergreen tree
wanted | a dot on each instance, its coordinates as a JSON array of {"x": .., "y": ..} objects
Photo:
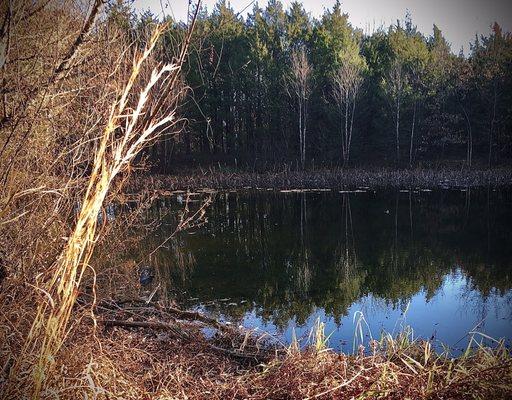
[{"x": 392, "y": 96}]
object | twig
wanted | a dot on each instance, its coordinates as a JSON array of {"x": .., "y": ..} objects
[{"x": 346, "y": 383}]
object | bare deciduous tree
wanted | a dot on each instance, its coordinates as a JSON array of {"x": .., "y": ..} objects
[
  {"x": 396, "y": 81},
  {"x": 347, "y": 80},
  {"x": 299, "y": 84},
  {"x": 415, "y": 75}
]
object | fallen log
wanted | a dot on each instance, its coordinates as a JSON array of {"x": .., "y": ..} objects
[
  {"x": 181, "y": 314},
  {"x": 237, "y": 354}
]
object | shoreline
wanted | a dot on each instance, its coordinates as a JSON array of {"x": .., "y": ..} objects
[
  {"x": 325, "y": 179},
  {"x": 234, "y": 363}
]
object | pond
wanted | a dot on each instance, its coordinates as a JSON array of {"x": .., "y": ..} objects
[{"x": 278, "y": 262}]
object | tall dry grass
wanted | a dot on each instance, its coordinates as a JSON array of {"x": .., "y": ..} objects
[{"x": 80, "y": 103}]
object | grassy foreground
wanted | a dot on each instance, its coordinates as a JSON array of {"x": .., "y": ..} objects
[{"x": 137, "y": 351}]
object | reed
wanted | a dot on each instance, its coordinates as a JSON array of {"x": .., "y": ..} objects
[{"x": 335, "y": 179}]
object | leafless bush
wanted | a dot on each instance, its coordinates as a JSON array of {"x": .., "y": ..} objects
[{"x": 80, "y": 102}]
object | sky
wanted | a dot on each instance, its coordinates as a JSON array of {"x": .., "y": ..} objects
[{"x": 459, "y": 20}]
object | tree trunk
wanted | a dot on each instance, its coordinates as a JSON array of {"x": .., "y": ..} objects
[
  {"x": 412, "y": 135},
  {"x": 304, "y": 135},
  {"x": 346, "y": 131},
  {"x": 300, "y": 132},
  {"x": 351, "y": 126},
  {"x": 491, "y": 130},
  {"x": 397, "y": 133},
  {"x": 469, "y": 151},
  {"x": 342, "y": 135}
]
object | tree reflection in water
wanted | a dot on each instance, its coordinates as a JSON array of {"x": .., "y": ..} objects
[{"x": 281, "y": 257}]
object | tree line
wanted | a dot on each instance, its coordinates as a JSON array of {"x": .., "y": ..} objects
[{"x": 279, "y": 87}]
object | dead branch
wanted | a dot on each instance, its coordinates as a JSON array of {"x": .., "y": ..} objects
[{"x": 73, "y": 50}]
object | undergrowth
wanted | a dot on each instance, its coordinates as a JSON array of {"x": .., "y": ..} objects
[{"x": 103, "y": 362}]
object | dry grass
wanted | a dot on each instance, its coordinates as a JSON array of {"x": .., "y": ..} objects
[
  {"x": 113, "y": 156},
  {"x": 143, "y": 363},
  {"x": 142, "y": 102}
]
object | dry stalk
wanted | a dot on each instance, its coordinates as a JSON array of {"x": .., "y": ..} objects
[{"x": 128, "y": 131}]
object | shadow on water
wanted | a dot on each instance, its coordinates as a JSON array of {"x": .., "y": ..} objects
[{"x": 278, "y": 261}]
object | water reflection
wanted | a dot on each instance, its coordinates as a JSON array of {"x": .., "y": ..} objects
[{"x": 280, "y": 260}]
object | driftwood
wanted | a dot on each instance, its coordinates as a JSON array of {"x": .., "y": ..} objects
[
  {"x": 117, "y": 305},
  {"x": 140, "y": 307},
  {"x": 237, "y": 354}
]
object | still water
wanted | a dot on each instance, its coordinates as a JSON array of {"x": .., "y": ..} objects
[{"x": 437, "y": 261}]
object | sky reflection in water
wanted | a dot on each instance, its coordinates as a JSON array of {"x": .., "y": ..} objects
[{"x": 279, "y": 261}]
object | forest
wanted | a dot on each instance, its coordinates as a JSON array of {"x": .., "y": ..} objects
[{"x": 280, "y": 88}]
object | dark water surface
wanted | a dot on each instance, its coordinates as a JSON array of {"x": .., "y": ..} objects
[{"x": 439, "y": 262}]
